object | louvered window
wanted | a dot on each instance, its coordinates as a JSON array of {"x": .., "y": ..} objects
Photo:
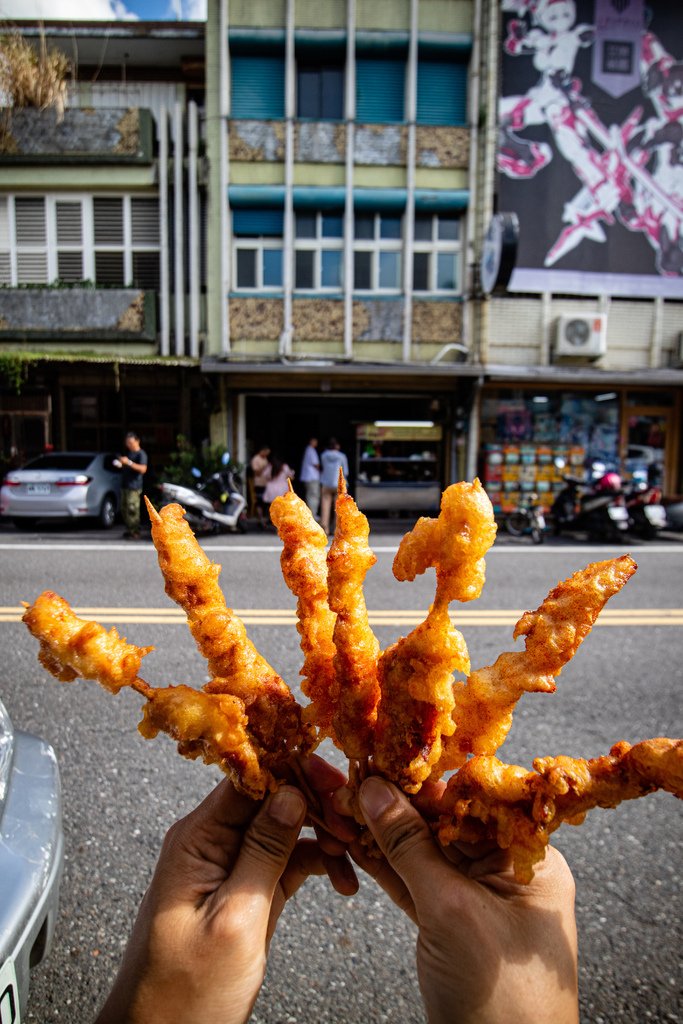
[
  {"x": 258, "y": 86},
  {"x": 109, "y": 240},
  {"x": 441, "y": 92}
]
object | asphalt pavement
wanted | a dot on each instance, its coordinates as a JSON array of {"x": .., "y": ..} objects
[{"x": 337, "y": 961}]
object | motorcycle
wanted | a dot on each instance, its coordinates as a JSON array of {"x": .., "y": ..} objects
[
  {"x": 215, "y": 504},
  {"x": 644, "y": 506},
  {"x": 527, "y": 519},
  {"x": 595, "y": 506}
]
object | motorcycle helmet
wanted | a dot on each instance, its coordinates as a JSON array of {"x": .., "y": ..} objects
[{"x": 609, "y": 482}]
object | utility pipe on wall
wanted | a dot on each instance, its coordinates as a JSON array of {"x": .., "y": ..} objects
[
  {"x": 164, "y": 275},
  {"x": 178, "y": 232},
  {"x": 193, "y": 226}
]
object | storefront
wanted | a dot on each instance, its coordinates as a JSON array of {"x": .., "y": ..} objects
[{"x": 525, "y": 428}]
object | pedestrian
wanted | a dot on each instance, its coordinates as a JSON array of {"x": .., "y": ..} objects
[
  {"x": 261, "y": 469},
  {"x": 280, "y": 475},
  {"x": 331, "y": 461},
  {"x": 134, "y": 467},
  {"x": 310, "y": 476},
  {"x": 489, "y": 950}
]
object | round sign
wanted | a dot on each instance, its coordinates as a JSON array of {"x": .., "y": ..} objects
[{"x": 499, "y": 252}]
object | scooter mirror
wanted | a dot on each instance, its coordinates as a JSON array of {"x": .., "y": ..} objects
[
  {"x": 225, "y": 458},
  {"x": 196, "y": 473},
  {"x": 560, "y": 462}
]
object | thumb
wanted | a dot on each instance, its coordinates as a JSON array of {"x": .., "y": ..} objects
[
  {"x": 269, "y": 841},
  {"x": 403, "y": 836}
]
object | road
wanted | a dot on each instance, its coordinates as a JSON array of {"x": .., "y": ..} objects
[{"x": 338, "y": 961}]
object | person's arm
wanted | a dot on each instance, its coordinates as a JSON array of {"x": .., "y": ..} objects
[
  {"x": 139, "y": 467},
  {"x": 489, "y": 950},
  {"x": 199, "y": 945}
]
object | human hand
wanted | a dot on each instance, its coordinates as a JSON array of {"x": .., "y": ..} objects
[
  {"x": 489, "y": 950},
  {"x": 199, "y": 945}
]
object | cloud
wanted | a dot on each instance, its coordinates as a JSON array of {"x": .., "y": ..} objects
[{"x": 71, "y": 10}]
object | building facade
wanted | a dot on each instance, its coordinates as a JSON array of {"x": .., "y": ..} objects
[{"x": 337, "y": 172}]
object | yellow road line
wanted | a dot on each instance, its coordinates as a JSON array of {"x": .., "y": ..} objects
[{"x": 380, "y": 617}]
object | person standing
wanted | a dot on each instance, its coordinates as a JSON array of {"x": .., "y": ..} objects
[
  {"x": 278, "y": 485},
  {"x": 134, "y": 466},
  {"x": 331, "y": 461},
  {"x": 310, "y": 476},
  {"x": 261, "y": 471}
]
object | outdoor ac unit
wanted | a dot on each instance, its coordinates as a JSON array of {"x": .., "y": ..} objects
[
  {"x": 582, "y": 335},
  {"x": 677, "y": 354}
]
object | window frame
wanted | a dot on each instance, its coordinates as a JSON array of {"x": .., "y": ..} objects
[
  {"x": 376, "y": 246},
  {"x": 317, "y": 245},
  {"x": 434, "y": 247},
  {"x": 258, "y": 244},
  {"x": 319, "y": 67},
  {"x": 87, "y": 247}
]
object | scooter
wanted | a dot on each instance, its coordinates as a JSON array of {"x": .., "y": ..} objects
[
  {"x": 595, "y": 506},
  {"x": 215, "y": 504},
  {"x": 644, "y": 506},
  {"x": 527, "y": 519}
]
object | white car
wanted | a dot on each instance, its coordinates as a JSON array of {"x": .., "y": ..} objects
[
  {"x": 31, "y": 860},
  {"x": 63, "y": 485}
]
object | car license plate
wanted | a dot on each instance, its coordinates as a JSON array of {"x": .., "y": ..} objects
[
  {"x": 9, "y": 994},
  {"x": 37, "y": 489}
]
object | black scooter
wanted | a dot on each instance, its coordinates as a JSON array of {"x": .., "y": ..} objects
[{"x": 595, "y": 506}]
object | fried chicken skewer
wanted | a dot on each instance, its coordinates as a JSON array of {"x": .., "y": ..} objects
[
  {"x": 485, "y": 703},
  {"x": 519, "y": 810},
  {"x": 304, "y": 568},
  {"x": 415, "y": 674},
  {"x": 71, "y": 647},
  {"x": 357, "y": 648}
]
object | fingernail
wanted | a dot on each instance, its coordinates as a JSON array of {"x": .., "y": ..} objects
[
  {"x": 286, "y": 807},
  {"x": 376, "y": 796}
]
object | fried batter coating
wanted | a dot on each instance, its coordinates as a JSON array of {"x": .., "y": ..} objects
[
  {"x": 415, "y": 674},
  {"x": 238, "y": 669},
  {"x": 455, "y": 543},
  {"x": 71, "y": 647},
  {"x": 485, "y": 703},
  {"x": 357, "y": 647},
  {"x": 212, "y": 726},
  {"x": 304, "y": 569},
  {"x": 519, "y": 810}
]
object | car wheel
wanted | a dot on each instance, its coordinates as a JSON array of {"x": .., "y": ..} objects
[
  {"x": 107, "y": 512},
  {"x": 25, "y": 522}
]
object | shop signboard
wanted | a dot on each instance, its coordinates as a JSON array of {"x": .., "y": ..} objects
[{"x": 591, "y": 132}]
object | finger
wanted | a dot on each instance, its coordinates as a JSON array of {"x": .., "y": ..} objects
[
  {"x": 328, "y": 843},
  {"x": 404, "y": 838},
  {"x": 379, "y": 869},
  {"x": 322, "y": 776},
  {"x": 268, "y": 843}
]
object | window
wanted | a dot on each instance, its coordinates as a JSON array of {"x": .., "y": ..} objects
[
  {"x": 380, "y": 89},
  {"x": 441, "y": 92},
  {"x": 257, "y": 249},
  {"x": 319, "y": 251},
  {"x": 111, "y": 240},
  {"x": 377, "y": 253},
  {"x": 436, "y": 253},
  {"x": 320, "y": 91},
  {"x": 258, "y": 86}
]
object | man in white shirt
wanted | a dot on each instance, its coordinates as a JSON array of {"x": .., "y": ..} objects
[{"x": 310, "y": 475}]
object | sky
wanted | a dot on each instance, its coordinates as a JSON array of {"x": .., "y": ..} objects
[{"x": 104, "y": 10}]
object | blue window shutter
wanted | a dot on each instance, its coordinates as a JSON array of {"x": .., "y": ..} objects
[
  {"x": 380, "y": 88},
  {"x": 258, "y": 87},
  {"x": 441, "y": 92},
  {"x": 256, "y": 223}
]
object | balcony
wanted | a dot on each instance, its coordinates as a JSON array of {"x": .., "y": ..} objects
[
  {"x": 113, "y": 135},
  {"x": 79, "y": 318}
]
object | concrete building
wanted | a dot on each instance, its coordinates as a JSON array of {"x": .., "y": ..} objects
[{"x": 337, "y": 171}]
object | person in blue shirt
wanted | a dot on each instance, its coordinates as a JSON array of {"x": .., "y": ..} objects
[{"x": 331, "y": 461}]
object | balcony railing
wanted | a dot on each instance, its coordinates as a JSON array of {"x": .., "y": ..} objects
[{"x": 77, "y": 314}]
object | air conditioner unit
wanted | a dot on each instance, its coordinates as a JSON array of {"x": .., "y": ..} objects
[
  {"x": 676, "y": 358},
  {"x": 584, "y": 335}
]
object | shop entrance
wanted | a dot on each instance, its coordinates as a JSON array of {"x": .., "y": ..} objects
[
  {"x": 649, "y": 441},
  {"x": 285, "y": 423}
]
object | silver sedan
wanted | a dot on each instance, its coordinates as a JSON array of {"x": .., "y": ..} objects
[
  {"x": 31, "y": 860},
  {"x": 63, "y": 485}
]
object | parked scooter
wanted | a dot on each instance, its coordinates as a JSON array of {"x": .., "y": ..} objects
[
  {"x": 595, "y": 506},
  {"x": 528, "y": 519},
  {"x": 215, "y": 504},
  {"x": 647, "y": 515}
]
